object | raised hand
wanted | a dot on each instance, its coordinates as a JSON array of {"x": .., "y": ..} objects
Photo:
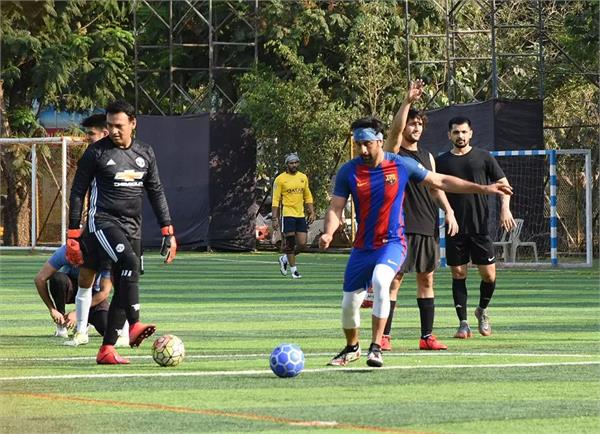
[{"x": 415, "y": 90}]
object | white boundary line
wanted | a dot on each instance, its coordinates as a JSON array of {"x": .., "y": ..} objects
[
  {"x": 266, "y": 371},
  {"x": 255, "y": 261},
  {"x": 260, "y": 355}
]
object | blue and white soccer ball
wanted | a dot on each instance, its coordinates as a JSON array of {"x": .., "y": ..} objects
[{"x": 287, "y": 360}]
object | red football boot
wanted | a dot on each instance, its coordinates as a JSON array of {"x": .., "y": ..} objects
[
  {"x": 386, "y": 343},
  {"x": 107, "y": 355},
  {"x": 138, "y": 332},
  {"x": 431, "y": 343},
  {"x": 368, "y": 300}
]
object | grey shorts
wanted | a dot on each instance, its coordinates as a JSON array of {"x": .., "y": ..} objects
[{"x": 422, "y": 254}]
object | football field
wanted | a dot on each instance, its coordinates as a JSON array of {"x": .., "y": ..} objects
[{"x": 538, "y": 373}]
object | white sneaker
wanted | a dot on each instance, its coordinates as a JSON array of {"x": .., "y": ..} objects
[
  {"x": 78, "y": 339},
  {"x": 296, "y": 275},
  {"x": 61, "y": 332},
  {"x": 283, "y": 265}
]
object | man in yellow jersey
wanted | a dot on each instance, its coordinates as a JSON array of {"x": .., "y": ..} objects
[{"x": 292, "y": 194}]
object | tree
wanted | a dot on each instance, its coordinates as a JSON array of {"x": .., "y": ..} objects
[
  {"x": 296, "y": 116},
  {"x": 74, "y": 55}
]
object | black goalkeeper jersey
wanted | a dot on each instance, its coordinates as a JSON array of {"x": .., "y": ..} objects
[
  {"x": 116, "y": 179},
  {"x": 478, "y": 165},
  {"x": 420, "y": 210}
]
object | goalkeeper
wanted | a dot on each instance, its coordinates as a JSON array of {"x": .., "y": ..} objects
[{"x": 117, "y": 170}]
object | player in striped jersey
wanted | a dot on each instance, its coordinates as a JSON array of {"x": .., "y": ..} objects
[{"x": 376, "y": 180}]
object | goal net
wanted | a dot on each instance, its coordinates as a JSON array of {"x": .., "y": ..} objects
[
  {"x": 34, "y": 190},
  {"x": 552, "y": 205}
]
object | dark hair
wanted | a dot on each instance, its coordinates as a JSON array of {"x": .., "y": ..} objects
[
  {"x": 369, "y": 122},
  {"x": 121, "y": 106},
  {"x": 459, "y": 120},
  {"x": 97, "y": 120},
  {"x": 413, "y": 114}
]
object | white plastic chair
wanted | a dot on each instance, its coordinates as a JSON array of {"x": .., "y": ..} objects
[{"x": 510, "y": 242}]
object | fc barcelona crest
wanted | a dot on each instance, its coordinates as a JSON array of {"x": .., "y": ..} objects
[{"x": 390, "y": 179}]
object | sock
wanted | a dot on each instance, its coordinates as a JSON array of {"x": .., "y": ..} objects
[
  {"x": 293, "y": 269},
  {"x": 427, "y": 312},
  {"x": 116, "y": 315},
  {"x": 61, "y": 329},
  {"x": 486, "y": 290},
  {"x": 374, "y": 347},
  {"x": 459, "y": 294},
  {"x": 388, "y": 324},
  {"x": 83, "y": 302}
]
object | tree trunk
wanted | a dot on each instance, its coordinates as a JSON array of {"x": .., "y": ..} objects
[{"x": 16, "y": 208}]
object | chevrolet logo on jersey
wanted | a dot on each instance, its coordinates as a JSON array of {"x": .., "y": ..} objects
[{"x": 128, "y": 178}]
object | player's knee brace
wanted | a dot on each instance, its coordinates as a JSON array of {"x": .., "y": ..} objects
[
  {"x": 351, "y": 308},
  {"x": 290, "y": 244},
  {"x": 382, "y": 278}
]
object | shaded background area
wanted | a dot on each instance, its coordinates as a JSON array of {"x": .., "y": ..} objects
[
  {"x": 500, "y": 125},
  {"x": 207, "y": 166}
]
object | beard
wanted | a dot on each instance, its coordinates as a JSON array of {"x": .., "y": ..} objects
[
  {"x": 411, "y": 138},
  {"x": 292, "y": 169},
  {"x": 461, "y": 144}
]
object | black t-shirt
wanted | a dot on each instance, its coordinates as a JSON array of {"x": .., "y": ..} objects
[
  {"x": 117, "y": 179},
  {"x": 420, "y": 210},
  {"x": 471, "y": 210}
]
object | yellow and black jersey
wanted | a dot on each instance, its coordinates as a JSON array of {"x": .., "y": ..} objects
[{"x": 291, "y": 191}]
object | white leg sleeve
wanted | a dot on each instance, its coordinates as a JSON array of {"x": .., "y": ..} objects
[
  {"x": 351, "y": 308},
  {"x": 83, "y": 302},
  {"x": 382, "y": 279}
]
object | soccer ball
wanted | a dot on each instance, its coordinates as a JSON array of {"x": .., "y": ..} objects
[
  {"x": 168, "y": 350},
  {"x": 287, "y": 360}
]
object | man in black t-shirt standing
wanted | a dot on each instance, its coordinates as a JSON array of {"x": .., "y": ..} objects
[
  {"x": 471, "y": 211},
  {"x": 421, "y": 215},
  {"x": 117, "y": 170}
]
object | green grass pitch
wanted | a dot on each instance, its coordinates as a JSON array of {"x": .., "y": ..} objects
[{"x": 538, "y": 373}]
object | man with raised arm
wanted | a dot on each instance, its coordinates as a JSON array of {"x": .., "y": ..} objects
[{"x": 376, "y": 180}]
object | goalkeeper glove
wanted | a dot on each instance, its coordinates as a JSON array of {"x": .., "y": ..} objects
[
  {"x": 168, "y": 249},
  {"x": 74, "y": 255}
]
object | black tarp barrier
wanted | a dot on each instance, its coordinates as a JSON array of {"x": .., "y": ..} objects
[
  {"x": 188, "y": 148},
  {"x": 232, "y": 185},
  {"x": 500, "y": 125}
]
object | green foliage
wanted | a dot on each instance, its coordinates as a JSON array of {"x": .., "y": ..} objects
[
  {"x": 296, "y": 116},
  {"x": 75, "y": 55}
]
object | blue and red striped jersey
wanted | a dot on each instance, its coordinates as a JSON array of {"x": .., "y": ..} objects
[{"x": 378, "y": 194}]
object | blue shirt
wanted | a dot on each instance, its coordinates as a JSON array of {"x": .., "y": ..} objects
[{"x": 59, "y": 261}]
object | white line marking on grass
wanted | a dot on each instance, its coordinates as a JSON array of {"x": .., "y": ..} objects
[
  {"x": 250, "y": 372},
  {"x": 315, "y": 423},
  {"x": 260, "y": 355},
  {"x": 255, "y": 261}
]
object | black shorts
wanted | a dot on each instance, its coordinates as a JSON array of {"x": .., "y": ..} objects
[
  {"x": 70, "y": 287},
  {"x": 294, "y": 224},
  {"x": 477, "y": 247},
  {"x": 422, "y": 254},
  {"x": 99, "y": 255}
]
